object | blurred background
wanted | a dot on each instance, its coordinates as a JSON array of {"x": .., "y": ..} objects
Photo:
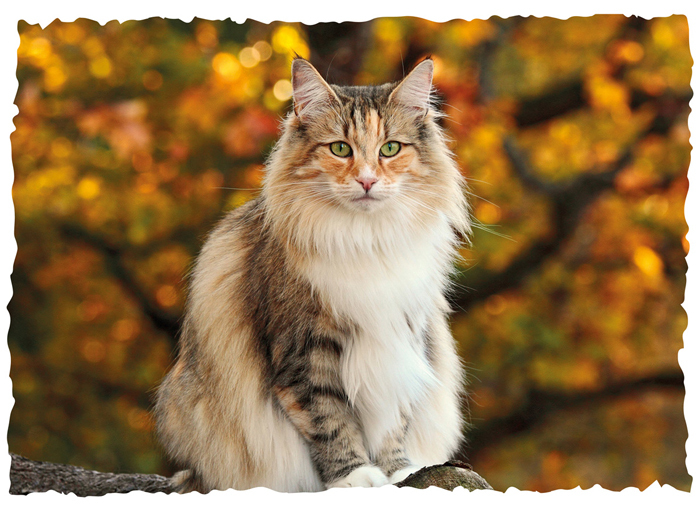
[{"x": 132, "y": 140}]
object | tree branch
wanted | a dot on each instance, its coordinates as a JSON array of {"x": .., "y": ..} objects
[
  {"x": 450, "y": 475},
  {"x": 568, "y": 204},
  {"x": 569, "y": 201},
  {"x": 27, "y": 476},
  {"x": 570, "y": 95},
  {"x": 539, "y": 404},
  {"x": 113, "y": 262}
]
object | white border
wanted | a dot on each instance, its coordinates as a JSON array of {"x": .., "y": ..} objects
[{"x": 44, "y": 11}]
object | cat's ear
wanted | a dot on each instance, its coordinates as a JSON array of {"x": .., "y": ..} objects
[
  {"x": 413, "y": 92},
  {"x": 312, "y": 95}
]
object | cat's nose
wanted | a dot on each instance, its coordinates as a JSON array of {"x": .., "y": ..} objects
[{"x": 366, "y": 182}]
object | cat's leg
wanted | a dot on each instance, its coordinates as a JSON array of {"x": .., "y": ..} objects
[
  {"x": 392, "y": 457},
  {"x": 308, "y": 387}
]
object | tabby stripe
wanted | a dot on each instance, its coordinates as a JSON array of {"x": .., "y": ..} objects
[
  {"x": 309, "y": 395},
  {"x": 329, "y": 391},
  {"x": 326, "y": 437},
  {"x": 398, "y": 459},
  {"x": 290, "y": 379},
  {"x": 347, "y": 469},
  {"x": 327, "y": 344},
  {"x": 319, "y": 419}
]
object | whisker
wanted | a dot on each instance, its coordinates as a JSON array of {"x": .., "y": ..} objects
[
  {"x": 486, "y": 227},
  {"x": 470, "y": 193},
  {"x": 449, "y": 105},
  {"x": 468, "y": 178}
]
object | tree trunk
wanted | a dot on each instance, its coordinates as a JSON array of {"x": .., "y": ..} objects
[{"x": 27, "y": 476}]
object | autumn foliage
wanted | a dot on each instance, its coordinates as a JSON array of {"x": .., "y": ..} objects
[{"x": 132, "y": 139}]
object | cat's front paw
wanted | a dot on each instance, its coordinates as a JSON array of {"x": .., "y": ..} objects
[
  {"x": 402, "y": 474},
  {"x": 364, "y": 476}
]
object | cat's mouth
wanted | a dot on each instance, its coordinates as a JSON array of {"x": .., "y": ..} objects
[
  {"x": 366, "y": 202},
  {"x": 370, "y": 196},
  {"x": 369, "y": 201}
]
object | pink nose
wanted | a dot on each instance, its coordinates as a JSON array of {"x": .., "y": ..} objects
[{"x": 366, "y": 182}]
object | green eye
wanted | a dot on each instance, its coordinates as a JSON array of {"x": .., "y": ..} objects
[
  {"x": 390, "y": 148},
  {"x": 341, "y": 149}
]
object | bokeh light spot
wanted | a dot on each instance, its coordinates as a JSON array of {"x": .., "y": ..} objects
[
  {"x": 152, "y": 80},
  {"x": 89, "y": 188},
  {"x": 249, "y": 57},
  {"x": 488, "y": 213},
  {"x": 264, "y": 50},
  {"x": 166, "y": 296},
  {"x": 61, "y": 147},
  {"x": 207, "y": 35},
  {"x": 101, "y": 67},
  {"x": 125, "y": 329},
  {"x": 54, "y": 79},
  {"x": 648, "y": 261},
  {"x": 282, "y": 89},
  {"x": 226, "y": 65},
  {"x": 94, "y": 351}
]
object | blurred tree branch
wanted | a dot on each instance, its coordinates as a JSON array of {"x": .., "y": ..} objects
[
  {"x": 570, "y": 95},
  {"x": 112, "y": 255},
  {"x": 569, "y": 200},
  {"x": 540, "y": 404}
]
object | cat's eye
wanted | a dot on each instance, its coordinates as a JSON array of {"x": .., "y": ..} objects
[
  {"x": 390, "y": 148},
  {"x": 341, "y": 149}
]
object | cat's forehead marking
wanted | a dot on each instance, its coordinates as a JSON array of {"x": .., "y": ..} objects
[
  {"x": 374, "y": 123},
  {"x": 366, "y": 129},
  {"x": 364, "y": 115},
  {"x": 364, "y": 112}
]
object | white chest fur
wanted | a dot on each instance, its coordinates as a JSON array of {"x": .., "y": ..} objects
[{"x": 390, "y": 294}]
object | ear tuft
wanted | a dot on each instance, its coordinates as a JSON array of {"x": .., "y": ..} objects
[
  {"x": 312, "y": 95},
  {"x": 414, "y": 91}
]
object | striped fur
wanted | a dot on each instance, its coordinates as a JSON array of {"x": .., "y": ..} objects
[{"x": 315, "y": 350}]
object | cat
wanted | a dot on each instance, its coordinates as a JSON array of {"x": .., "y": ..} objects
[{"x": 315, "y": 350}]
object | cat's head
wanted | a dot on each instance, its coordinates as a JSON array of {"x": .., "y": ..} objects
[{"x": 368, "y": 151}]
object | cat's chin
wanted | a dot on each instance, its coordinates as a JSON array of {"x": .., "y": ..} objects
[{"x": 367, "y": 204}]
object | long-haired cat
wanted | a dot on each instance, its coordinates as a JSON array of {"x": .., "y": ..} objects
[{"x": 315, "y": 350}]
